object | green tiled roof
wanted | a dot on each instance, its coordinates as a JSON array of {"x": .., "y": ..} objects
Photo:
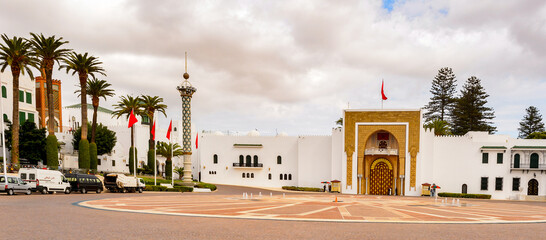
[
  {"x": 90, "y": 106},
  {"x": 493, "y": 147},
  {"x": 534, "y": 147}
]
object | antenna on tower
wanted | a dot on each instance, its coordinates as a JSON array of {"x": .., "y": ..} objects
[{"x": 186, "y": 75}]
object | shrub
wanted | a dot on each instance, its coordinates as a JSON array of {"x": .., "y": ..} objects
[
  {"x": 151, "y": 159},
  {"x": 168, "y": 169},
  {"x": 464, "y": 195},
  {"x": 93, "y": 156},
  {"x": 51, "y": 152},
  {"x": 83, "y": 154},
  {"x": 306, "y": 189},
  {"x": 155, "y": 188},
  {"x": 212, "y": 187}
]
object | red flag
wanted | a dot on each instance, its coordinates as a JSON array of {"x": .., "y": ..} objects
[
  {"x": 383, "y": 92},
  {"x": 196, "y": 140},
  {"x": 153, "y": 131},
  {"x": 169, "y": 130},
  {"x": 132, "y": 119}
]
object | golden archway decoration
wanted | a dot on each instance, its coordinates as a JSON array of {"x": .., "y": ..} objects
[{"x": 380, "y": 160}]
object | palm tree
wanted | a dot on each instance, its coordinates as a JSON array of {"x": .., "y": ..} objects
[
  {"x": 440, "y": 127},
  {"x": 164, "y": 149},
  {"x": 49, "y": 51},
  {"x": 124, "y": 107},
  {"x": 16, "y": 53},
  {"x": 97, "y": 89},
  {"x": 149, "y": 105},
  {"x": 85, "y": 65}
]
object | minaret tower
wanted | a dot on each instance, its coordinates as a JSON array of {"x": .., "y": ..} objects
[{"x": 186, "y": 91}]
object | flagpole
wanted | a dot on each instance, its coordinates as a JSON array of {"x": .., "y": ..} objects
[
  {"x": 3, "y": 139},
  {"x": 155, "y": 153},
  {"x": 172, "y": 162}
]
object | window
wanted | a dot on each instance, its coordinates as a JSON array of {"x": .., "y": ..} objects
[
  {"x": 498, "y": 184},
  {"x": 22, "y": 118},
  {"x": 269, "y": 176},
  {"x": 516, "y": 161},
  {"x": 515, "y": 184},
  {"x": 289, "y": 176},
  {"x": 215, "y": 159},
  {"x": 30, "y": 117},
  {"x": 113, "y": 163},
  {"x": 29, "y": 98},
  {"x": 248, "y": 161},
  {"x": 145, "y": 120},
  {"x": 499, "y": 158},
  {"x": 252, "y": 175},
  {"x": 534, "y": 161},
  {"x": 484, "y": 183},
  {"x": 243, "y": 175},
  {"x": 255, "y": 161},
  {"x": 280, "y": 176},
  {"x": 279, "y": 160},
  {"x": 485, "y": 157},
  {"x": 465, "y": 189},
  {"x": 32, "y": 176},
  {"x": 21, "y": 96},
  {"x": 6, "y": 117},
  {"x": 285, "y": 177},
  {"x": 4, "y": 92},
  {"x": 23, "y": 176},
  {"x": 241, "y": 160},
  {"x": 247, "y": 175}
]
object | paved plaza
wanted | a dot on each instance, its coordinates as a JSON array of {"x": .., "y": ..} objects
[{"x": 322, "y": 207}]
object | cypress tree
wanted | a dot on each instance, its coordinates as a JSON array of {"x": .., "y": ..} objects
[
  {"x": 531, "y": 122},
  {"x": 469, "y": 112},
  {"x": 443, "y": 99}
]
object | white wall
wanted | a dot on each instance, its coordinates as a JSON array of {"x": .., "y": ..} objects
[{"x": 314, "y": 160}]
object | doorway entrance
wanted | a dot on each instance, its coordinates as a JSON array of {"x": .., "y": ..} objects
[
  {"x": 532, "y": 187},
  {"x": 381, "y": 177}
]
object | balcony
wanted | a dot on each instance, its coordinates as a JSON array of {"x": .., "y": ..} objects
[
  {"x": 248, "y": 165},
  {"x": 526, "y": 167},
  {"x": 381, "y": 151}
]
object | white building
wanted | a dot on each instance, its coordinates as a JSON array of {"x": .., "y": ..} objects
[{"x": 377, "y": 152}]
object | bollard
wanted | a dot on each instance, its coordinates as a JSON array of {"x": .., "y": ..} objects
[
  {"x": 453, "y": 202},
  {"x": 243, "y": 195},
  {"x": 260, "y": 194},
  {"x": 271, "y": 194},
  {"x": 283, "y": 195},
  {"x": 250, "y": 195}
]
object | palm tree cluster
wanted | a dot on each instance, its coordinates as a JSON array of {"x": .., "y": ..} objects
[{"x": 41, "y": 53}]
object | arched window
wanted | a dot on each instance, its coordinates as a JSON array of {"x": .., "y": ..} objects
[
  {"x": 252, "y": 175},
  {"x": 241, "y": 160},
  {"x": 516, "y": 160},
  {"x": 255, "y": 161},
  {"x": 534, "y": 161},
  {"x": 280, "y": 176},
  {"x": 285, "y": 177},
  {"x": 215, "y": 159},
  {"x": 247, "y": 175},
  {"x": 269, "y": 176},
  {"x": 279, "y": 160},
  {"x": 248, "y": 161},
  {"x": 243, "y": 175},
  {"x": 289, "y": 176},
  {"x": 464, "y": 190},
  {"x": 4, "y": 92},
  {"x": 6, "y": 117}
]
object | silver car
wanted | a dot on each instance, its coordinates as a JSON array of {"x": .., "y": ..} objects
[{"x": 15, "y": 185}]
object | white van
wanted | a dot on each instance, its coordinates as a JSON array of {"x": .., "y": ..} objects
[{"x": 45, "y": 181}]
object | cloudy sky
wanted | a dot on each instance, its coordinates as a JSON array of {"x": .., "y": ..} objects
[{"x": 292, "y": 66}]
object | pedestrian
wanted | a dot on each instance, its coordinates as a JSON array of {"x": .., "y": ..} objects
[{"x": 433, "y": 190}]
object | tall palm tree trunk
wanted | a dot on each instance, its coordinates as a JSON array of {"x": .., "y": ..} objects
[
  {"x": 50, "y": 98},
  {"x": 151, "y": 142},
  {"x": 83, "y": 91},
  {"x": 15, "y": 125},
  {"x": 94, "y": 125}
]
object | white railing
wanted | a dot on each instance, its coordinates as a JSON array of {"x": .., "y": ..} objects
[{"x": 381, "y": 151}]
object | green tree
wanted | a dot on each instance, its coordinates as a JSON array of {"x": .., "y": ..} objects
[
  {"x": 32, "y": 142},
  {"x": 49, "y": 50},
  {"x": 470, "y": 112},
  {"x": 96, "y": 89},
  {"x": 17, "y": 54},
  {"x": 440, "y": 127},
  {"x": 180, "y": 172},
  {"x": 339, "y": 122},
  {"x": 105, "y": 139},
  {"x": 168, "y": 151},
  {"x": 537, "y": 135},
  {"x": 531, "y": 122},
  {"x": 149, "y": 106},
  {"x": 443, "y": 95},
  {"x": 124, "y": 107}
]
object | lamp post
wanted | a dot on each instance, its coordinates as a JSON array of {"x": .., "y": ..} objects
[
  {"x": 402, "y": 184},
  {"x": 186, "y": 92}
]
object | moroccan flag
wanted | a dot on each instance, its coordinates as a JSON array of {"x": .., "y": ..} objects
[
  {"x": 196, "y": 140},
  {"x": 132, "y": 119},
  {"x": 383, "y": 92},
  {"x": 169, "y": 130},
  {"x": 153, "y": 131}
]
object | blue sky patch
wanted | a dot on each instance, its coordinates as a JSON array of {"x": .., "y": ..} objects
[{"x": 387, "y": 4}]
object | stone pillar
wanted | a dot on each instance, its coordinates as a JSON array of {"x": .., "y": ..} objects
[{"x": 186, "y": 91}]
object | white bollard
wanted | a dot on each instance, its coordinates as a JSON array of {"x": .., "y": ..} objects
[
  {"x": 271, "y": 194},
  {"x": 453, "y": 202},
  {"x": 250, "y": 195},
  {"x": 283, "y": 195},
  {"x": 260, "y": 194}
]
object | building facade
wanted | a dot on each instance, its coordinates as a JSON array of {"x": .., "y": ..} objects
[{"x": 42, "y": 107}]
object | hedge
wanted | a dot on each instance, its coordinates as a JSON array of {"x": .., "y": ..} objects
[
  {"x": 165, "y": 189},
  {"x": 83, "y": 151},
  {"x": 307, "y": 189},
  {"x": 464, "y": 195},
  {"x": 51, "y": 152},
  {"x": 93, "y": 156},
  {"x": 212, "y": 187}
]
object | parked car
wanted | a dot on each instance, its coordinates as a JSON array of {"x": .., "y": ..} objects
[
  {"x": 84, "y": 182},
  {"x": 45, "y": 181},
  {"x": 117, "y": 182},
  {"x": 14, "y": 185}
]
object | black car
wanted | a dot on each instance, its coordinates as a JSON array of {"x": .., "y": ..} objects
[{"x": 84, "y": 182}]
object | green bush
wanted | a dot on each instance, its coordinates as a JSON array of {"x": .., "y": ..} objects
[
  {"x": 151, "y": 159},
  {"x": 464, "y": 195},
  {"x": 51, "y": 152},
  {"x": 165, "y": 189},
  {"x": 212, "y": 187},
  {"x": 168, "y": 169},
  {"x": 93, "y": 156},
  {"x": 83, "y": 154},
  {"x": 155, "y": 188},
  {"x": 306, "y": 189},
  {"x": 184, "y": 188}
]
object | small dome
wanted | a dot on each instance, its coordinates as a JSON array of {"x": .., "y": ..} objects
[
  {"x": 283, "y": 134},
  {"x": 218, "y": 133},
  {"x": 253, "y": 133}
]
